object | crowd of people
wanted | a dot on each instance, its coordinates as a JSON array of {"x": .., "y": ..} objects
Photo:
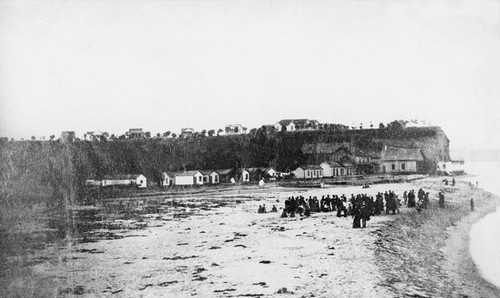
[{"x": 360, "y": 207}]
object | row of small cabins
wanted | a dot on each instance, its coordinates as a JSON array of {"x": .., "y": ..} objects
[
  {"x": 213, "y": 177},
  {"x": 196, "y": 177}
]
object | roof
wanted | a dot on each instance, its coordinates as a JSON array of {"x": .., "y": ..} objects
[
  {"x": 208, "y": 172},
  {"x": 285, "y": 122},
  {"x": 396, "y": 153},
  {"x": 301, "y": 122},
  {"x": 122, "y": 177},
  {"x": 358, "y": 152},
  {"x": 224, "y": 171},
  {"x": 311, "y": 167},
  {"x": 260, "y": 169},
  {"x": 94, "y": 133},
  {"x": 187, "y": 173},
  {"x": 334, "y": 164},
  {"x": 347, "y": 165},
  {"x": 135, "y": 130}
]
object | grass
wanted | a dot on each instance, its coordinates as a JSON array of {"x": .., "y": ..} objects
[{"x": 409, "y": 249}]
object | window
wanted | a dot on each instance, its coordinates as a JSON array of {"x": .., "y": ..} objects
[
  {"x": 393, "y": 166},
  {"x": 200, "y": 178},
  {"x": 403, "y": 166},
  {"x": 444, "y": 166}
]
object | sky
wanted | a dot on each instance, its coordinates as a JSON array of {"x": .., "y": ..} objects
[{"x": 162, "y": 65}]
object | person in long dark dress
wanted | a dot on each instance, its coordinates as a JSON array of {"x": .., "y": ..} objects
[
  {"x": 365, "y": 213},
  {"x": 356, "y": 214},
  {"x": 411, "y": 199},
  {"x": 441, "y": 199}
]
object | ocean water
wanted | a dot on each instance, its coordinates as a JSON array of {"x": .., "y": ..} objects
[{"x": 485, "y": 234}]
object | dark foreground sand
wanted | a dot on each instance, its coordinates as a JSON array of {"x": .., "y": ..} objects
[{"x": 232, "y": 251}]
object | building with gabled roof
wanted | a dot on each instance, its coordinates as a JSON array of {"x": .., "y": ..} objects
[
  {"x": 332, "y": 169},
  {"x": 188, "y": 178},
  {"x": 308, "y": 172},
  {"x": 400, "y": 160},
  {"x": 138, "y": 180},
  {"x": 235, "y": 129},
  {"x": 210, "y": 177},
  {"x": 186, "y": 132},
  {"x": 136, "y": 133},
  {"x": 167, "y": 179},
  {"x": 296, "y": 124},
  {"x": 260, "y": 173}
]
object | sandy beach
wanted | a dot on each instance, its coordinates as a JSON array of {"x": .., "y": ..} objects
[{"x": 232, "y": 251}]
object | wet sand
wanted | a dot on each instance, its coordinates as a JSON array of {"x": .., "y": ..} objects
[
  {"x": 232, "y": 251},
  {"x": 459, "y": 263}
]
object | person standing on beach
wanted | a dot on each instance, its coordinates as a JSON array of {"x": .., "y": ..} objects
[
  {"x": 441, "y": 199},
  {"x": 471, "y": 204},
  {"x": 411, "y": 199},
  {"x": 365, "y": 213},
  {"x": 356, "y": 223}
]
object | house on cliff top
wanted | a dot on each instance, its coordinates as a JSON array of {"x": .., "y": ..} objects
[
  {"x": 296, "y": 124},
  {"x": 186, "y": 132},
  {"x": 68, "y": 136},
  {"x": 235, "y": 129},
  {"x": 136, "y": 133}
]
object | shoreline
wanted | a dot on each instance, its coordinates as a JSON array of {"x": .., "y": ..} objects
[
  {"x": 434, "y": 252},
  {"x": 464, "y": 269},
  {"x": 395, "y": 256}
]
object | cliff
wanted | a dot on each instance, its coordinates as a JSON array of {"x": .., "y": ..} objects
[{"x": 60, "y": 170}]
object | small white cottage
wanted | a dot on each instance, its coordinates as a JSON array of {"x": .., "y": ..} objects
[
  {"x": 188, "y": 178},
  {"x": 131, "y": 179},
  {"x": 210, "y": 177}
]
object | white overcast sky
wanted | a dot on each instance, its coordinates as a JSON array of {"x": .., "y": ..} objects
[{"x": 162, "y": 65}]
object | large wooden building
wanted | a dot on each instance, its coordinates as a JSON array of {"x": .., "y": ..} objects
[
  {"x": 333, "y": 169},
  {"x": 308, "y": 172},
  {"x": 400, "y": 160}
]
